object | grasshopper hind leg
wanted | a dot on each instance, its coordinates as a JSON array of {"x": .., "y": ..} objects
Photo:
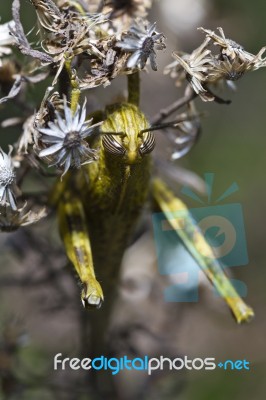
[
  {"x": 74, "y": 233},
  {"x": 192, "y": 238}
]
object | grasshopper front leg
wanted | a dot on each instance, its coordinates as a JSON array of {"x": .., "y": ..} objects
[
  {"x": 73, "y": 230},
  {"x": 182, "y": 222}
]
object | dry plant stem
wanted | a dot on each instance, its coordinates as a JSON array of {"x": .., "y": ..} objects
[
  {"x": 165, "y": 112},
  {"x": 23, "y": 42}
]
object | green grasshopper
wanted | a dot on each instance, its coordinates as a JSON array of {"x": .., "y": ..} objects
[{"x": 99, "y": 206}]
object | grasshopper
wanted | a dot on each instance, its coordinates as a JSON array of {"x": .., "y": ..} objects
[{"x": 100, "y": 204}]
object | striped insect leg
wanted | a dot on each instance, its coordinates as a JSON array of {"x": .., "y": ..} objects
[
  {"x": 74, "y": 232},
  {"x": 183, "y": 224}
]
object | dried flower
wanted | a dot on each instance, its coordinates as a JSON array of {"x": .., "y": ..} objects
[
  {"x": 66, "y": 139},
  {"x": 66, "y": 34},
  {"x": 142, "y": 41},
  {"x": 196, "y": 66},
  {"x": 227, "y": 70},
  {"x": 11, "y": 220},
  {"x": 102, "y": 73},
  {"x": 228, "y": 45},
  {"x": 233, "y": 59},
  {"x": 48, "y": 14},
  {"x": 202, "y": 67},
  {"x": 29, "y": 135},
  {"x": 7, "y": 179},
  {"x": 5, "y": 39}
]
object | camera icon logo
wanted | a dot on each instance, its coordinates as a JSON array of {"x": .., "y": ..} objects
[{"x": 223, "y": 228}]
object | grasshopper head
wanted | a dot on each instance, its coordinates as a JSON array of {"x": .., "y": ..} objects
[{"x": 123, "y": 136}]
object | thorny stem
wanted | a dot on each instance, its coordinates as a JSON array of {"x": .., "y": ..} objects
[{"x": 165, "y": 112}]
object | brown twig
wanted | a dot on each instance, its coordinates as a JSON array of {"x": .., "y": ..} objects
[
  {"x": 21, "y": 39},
  {"x": 166, "y": 112}
]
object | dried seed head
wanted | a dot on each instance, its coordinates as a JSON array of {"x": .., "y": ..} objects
[
  {"x": 65, "y": 139},
  {"x": 194, "y": 67},
  {"x": 11, "y": 220},
  {"x": 7, "y": 174},
  {"x": 203, "y": 66},
  {"x": 7, "y": 179},
  {"x": 142, "y": 41}
]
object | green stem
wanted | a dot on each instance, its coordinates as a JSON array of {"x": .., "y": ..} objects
[
  {"x": 133, "y": 85},
  {"x": 75, "y": 90}
]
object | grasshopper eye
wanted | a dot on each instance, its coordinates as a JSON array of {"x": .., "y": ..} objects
[
  {"x": 112, "y": 146},
  {"x": 148, "y": 144}
]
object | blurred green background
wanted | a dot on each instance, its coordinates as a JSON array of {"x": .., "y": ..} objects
[{"x": 232, "y": 146}]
